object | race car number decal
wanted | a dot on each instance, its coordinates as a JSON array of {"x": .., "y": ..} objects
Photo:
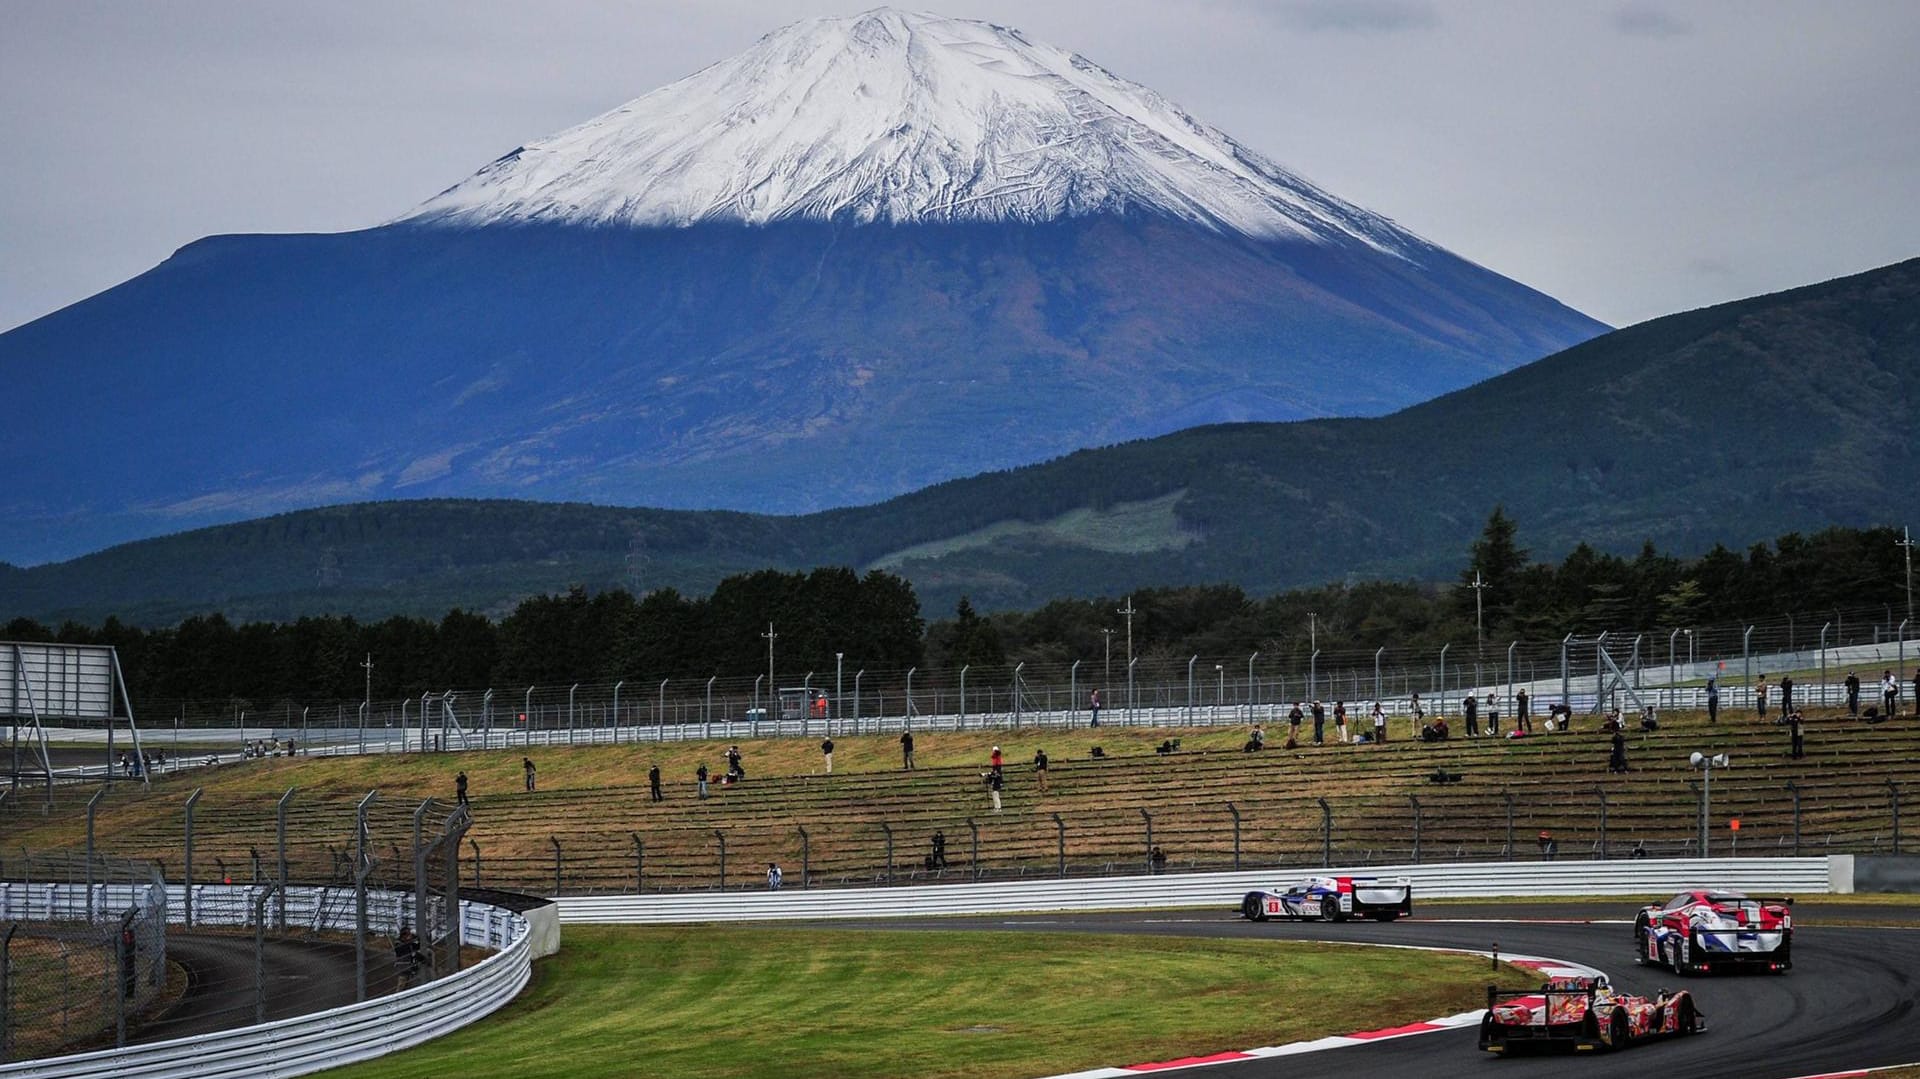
[{"x": 1273, "y": 906}]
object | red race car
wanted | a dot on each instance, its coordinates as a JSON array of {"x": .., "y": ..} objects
[
  {"x": 1705, "y": 930},
  {"x": 1582, "y": 1014}
]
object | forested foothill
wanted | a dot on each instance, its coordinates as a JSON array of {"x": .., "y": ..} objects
[{"x": 876, "y": 621}]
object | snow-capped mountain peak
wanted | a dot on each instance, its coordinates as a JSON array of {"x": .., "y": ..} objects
[{"x": 892, "y": 116}]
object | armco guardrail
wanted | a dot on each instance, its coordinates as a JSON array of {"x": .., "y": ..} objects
[
  {"x": 1641, "y": 876},
  {"x": 306, "y": 1043}
]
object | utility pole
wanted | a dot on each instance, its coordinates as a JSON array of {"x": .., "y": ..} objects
[
  {"x": 773, "y": 694},
  {"x": 368, "y": 667},
  {"x": 1107, "y": 678},
  {"x": 1313, "y": 631},
  {"x": 1479, "y": 586},
  {"x": 1129, "y": 612},
  {"x": 1906, "y": 540}
]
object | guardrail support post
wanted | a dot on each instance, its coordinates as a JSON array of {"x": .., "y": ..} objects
[
  {"x": 1148, "y": 817},
  {"x": 1415, "y": 799},
  {"x": 806, "y": 855},
  {"x": 1235, "y": 810},
  {"x": 1326, "y": 832},
  {"x": 1893, "y": 795},
  {"x": 1060, "y": 845},
  {"x": 1794, "y": 789},
  {"x": 887, "y": 830},
  {"x": 1508, "y": 795},
  {"x": 722, "y": 837},
  {"x": 639, "y": 863},
  {"x": 974, "y": 858},
  {"x": 187, "y": 902},
  {"x": 555, "y": 840},
  {"x": 280, "y": 841},
  {"x": 259, "y": 956}
]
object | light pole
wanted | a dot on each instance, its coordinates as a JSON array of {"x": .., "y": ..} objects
[
  {"x": 1706, "y": 765},
  {"x": 1906, "y": 541},
  {"x": 1220, "y": 672},
  {"x": 839, "y": 694},
  {"x": 773, "y": 693},
  {"x": 1129, "y": 612},
  {"x": 1107, "y": 670},
  {"x": 366, "y": 665}
]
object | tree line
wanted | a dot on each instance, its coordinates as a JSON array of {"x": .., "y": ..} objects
[{"x": 875, "y": 621}]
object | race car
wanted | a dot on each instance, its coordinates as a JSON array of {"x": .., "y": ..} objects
[
  {"x": 1704, "y": 930},
  {"x": 1582, "y": 1014},
  {"x": 1334, "y": 899}
]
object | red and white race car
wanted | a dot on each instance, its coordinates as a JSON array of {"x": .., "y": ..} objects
[
  {"x": 1709, "y": 929},
  {"x": 1582, "y": 1014},
  {"x": 1333, "y": 899}
]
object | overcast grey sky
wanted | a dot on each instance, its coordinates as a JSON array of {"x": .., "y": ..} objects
[{"x": 1629, "y": 158}]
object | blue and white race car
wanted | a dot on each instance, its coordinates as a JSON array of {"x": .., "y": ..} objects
[{"x": 1332, "y": 899}]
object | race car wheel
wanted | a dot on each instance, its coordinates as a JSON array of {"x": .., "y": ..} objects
[
  {"x": 1330, "y": 910},
  {"x": 1670, "y": 955},
  {"x": 1250, "y": 909},
  {"x": 1617, "y": 1030},
  {"x": 1682, "y": 961},
  {"x": 1640, "y": 943}
]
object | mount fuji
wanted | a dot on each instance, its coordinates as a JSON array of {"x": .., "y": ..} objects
[{"x": 865, "y": 255}]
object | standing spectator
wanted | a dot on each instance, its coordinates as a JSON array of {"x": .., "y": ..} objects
[
  {"x": 1853, "y": 693},
  {"x": 1379, "y": 724},
  {"x": 526, "y": 765},
  {"x": 1549, "y": 846},
  {"x": 996, "y": 762},
  {"x": 1157, "y": 861},
  {"x": 1319, "y": 722},
  {"x": 1796, "y": 730},
  {"x": 735, "y": 772},
  {"x": 1618, "y": 761},
  {"x": 1916, "y": 685},
  {"x": 653, "y": 783},
  {"x": 1293, "y": 725},
  {"x": 1040, "y": 769},
  {"x": 460, "y": 789},
  {"x": 1340, "y": 719},
  {"x": 774, "y": 877},
  {"x": 1419, "y": 713},
  {"x": 1471, "y": 706},
  {"x": 1523, "y": 712},
  {"x": 1786, "y": 694},
  {"x": 826, "y": 750},
  {"x": 994, "y": 781},
  {"x": 1890, "y": 693},
  {"x": 938, "y": 859},
  {"x": 906, "y": 751},
  {"x": 1760, "y": 696},
  {"x": 1094, "y": 700},
  {"x": 406, "y": 956},
  {"x": 1493, "y": 715},
  {"x": 700, "y": 779},
  {"x": 1713, "y": 700}
]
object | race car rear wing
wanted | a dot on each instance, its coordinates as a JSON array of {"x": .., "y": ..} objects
[{"x": 1371, "y": 894}]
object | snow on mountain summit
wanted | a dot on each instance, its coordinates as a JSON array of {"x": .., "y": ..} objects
[{"x": 891, "y": 116}]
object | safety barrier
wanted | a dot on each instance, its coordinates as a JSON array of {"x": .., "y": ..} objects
[
  {"x": 307, "y": 1043},
  {"x": 1640, "y": 876}
]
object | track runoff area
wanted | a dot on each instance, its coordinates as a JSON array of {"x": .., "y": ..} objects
[{"x": 1846, "y": 1008}]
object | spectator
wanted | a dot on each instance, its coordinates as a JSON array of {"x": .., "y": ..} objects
[
  {"x": 1157, "y": 861},
  {"x": 1319, "y": 722},
  {"x": 1890, "y": 693},
  {"x": 1611, "y": 724},
  {"x": 826, "y": 751},
  {"x": 1040, "y": 769},
  {"x": 1436, "y": 731},
  {"x": 700, "y": 779},
  {"x": 1493, "y": 714},
  {"x": 1916, "y": 685},
  {"x": 1293, "y": 725},
  {"x": 1093, "y": 699},
  {"x": 938, "y": 859},
  {"x": 1853, "y": 693},
  {"x": 735, "y": 771},
  {"x": 526, "y": 765},
  {"x": 1413, "y": 706},
  {"x": 1713, "y": 700},
  {"x": 1256, "y": 741},
  {"x": 1549, "y": 847},
  {"x": 1379, "y": 724},
  {"x": 1649, "y": 720},
  {"x": 406, "y": 956},
  {"x": 1760, "y": 696},
  {"x": 1796, "y": 730},
  {"x": 995, "y": 782},
  {"x": 1340, "y": 719},
  {"x": 1523, "y": 712},
  {"x": 653, "y": 783},
  {"x": 996, "y": 762},
  {"x": 906, "y": 751},
  {"x": 774, "y": 877},
  {"x": 1559, "y": 716},
  {"x": 1639, "y": 850},
  {"x": 460, "y": 789},
  {"x": 1786, "y": 694},
  {"x": 1618, "y": 761},
  {"x": 1471, "y": 706}
]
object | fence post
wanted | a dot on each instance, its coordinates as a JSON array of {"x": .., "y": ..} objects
[
  {"x": 722, "y": 837},
  {"x": 639, "y": 863},
  {"x": 123, "y": 953},
  {"x": 1794, "y": 789},
  {"x": 1235, "y": 810},
  {"x": 806, "y": 855},
  {"x": 1443, "y": 685},
  {"x": 280, "y": 841},
  {"x": 1415, "y": 799},
  {"x": 1326, "y": 832},
  {"x": 187, "y": 908},
  {"x": 6, "y": 994},
  {"x": 259, "y": 955},
  {"x": 974, "y": 858},
  {"x": 887, "y": 830},
  {"x": 960, "y": 723},
  {"x": 1148, "y": 817},
  {"x": 363, "y": 867},
  {"x": 1060, "y": 844},
  {"x": 1893, "y": 795},
  {"x": 93, "y": 807},
  {"x": 1602, "y": 792},
  {"x": 478, "y": 881},
  {"x": 555, "y": 840},
  {"x": 1509, "y": 797}
]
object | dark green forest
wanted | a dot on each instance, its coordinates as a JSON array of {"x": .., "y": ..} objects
[{"x": 876, "y": 621}]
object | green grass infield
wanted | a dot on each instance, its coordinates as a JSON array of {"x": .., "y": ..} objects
[{"x": 738, "y": 1001}]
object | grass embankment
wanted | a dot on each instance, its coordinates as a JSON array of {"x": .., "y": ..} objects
[{"x": 709, "y": 1002}]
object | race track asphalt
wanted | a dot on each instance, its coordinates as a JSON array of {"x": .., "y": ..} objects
[{"x": 1848, "y": 1003}]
